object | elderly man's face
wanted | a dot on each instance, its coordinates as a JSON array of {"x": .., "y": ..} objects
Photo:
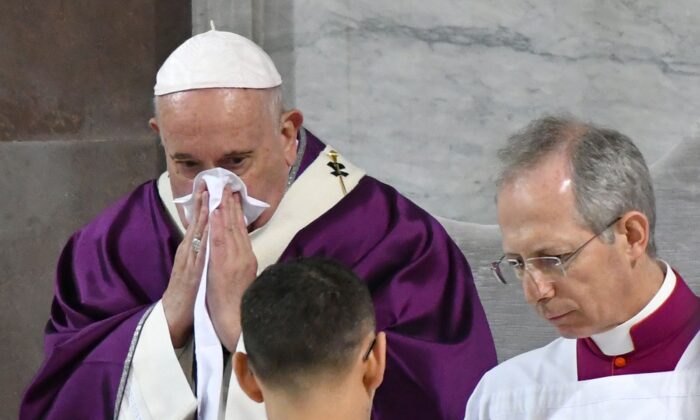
[
  {"x": 537, "y": 216},
  {"x": 228, "y": 128}
]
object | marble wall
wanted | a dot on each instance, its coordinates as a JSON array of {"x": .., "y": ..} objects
[{"x": 422, "y": 94}]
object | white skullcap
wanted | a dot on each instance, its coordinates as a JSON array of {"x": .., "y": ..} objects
[{"x": 216, "y": 59}]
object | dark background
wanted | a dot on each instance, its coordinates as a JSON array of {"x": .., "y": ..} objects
[{"x": 76, "y": 88}]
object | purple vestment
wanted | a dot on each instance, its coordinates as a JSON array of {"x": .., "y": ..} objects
[{"x": 112, "y": 270}]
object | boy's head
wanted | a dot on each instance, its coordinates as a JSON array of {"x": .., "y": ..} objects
[{"x": 309, "y": 332}]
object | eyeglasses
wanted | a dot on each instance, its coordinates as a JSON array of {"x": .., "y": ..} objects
[{"x": 509, "y": 270}]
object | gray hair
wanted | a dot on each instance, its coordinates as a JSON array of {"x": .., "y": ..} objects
[
  {"x": 274, "y": 103},
  {"x": 609, "y": 173}
]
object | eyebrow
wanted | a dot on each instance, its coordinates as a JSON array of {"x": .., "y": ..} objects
[
  {"x": 176, "y": 156},
  {"x": 540, "y": 251},
  {"x": 244, "y": 153},
  {"x": 183, "y": 156}
]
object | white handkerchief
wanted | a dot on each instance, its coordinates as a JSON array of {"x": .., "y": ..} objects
[
  {"x": 216, "y": 179},
  {"x": 207, "y": 345}
]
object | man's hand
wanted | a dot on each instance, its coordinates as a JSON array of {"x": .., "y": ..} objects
[
  {"x": 179, "y": 297},
  {"x": 232, "y": 268}
]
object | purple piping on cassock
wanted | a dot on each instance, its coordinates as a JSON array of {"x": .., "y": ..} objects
[
  {"x": 112, "y": 270},
  {"x": 659, "y": 340}
]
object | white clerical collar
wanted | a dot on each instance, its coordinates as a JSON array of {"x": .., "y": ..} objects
[{"x": 618, "y": 340}]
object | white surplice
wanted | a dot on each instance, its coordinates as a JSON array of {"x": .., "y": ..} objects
[{"x": 544, "y": 384}]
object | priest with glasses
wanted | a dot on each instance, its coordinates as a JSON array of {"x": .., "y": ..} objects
[{"x": 576, "y": 210}]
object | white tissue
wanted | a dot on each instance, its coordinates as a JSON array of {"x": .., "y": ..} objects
[{"x": 216, "y": 179}]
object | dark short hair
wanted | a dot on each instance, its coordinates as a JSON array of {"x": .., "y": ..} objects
[
  {"x": 610, "y": 175},
  {"x": 303, "y": 318}
]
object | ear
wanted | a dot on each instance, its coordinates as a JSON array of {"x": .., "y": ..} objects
[
  {"x": 290, "y": 124},
  {"x": 375, "y": 365},
  {"x": 634, "y": 227},
  {"x": 245, "y": 377},
  {"x": 154, "y": 125}
]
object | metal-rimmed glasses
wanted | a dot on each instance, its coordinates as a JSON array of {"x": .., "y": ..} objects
[{"x": 551, "y": 266}]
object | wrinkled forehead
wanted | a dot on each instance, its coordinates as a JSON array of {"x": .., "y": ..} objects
[
  {"x": 227, "y": 100},
  {"x": 537, "y": 205},
  {"x": 546, "y": 186},
  {"x": 215, "y": 110}
]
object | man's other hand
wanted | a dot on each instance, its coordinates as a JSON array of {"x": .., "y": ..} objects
[
  {"x": 232, "y": 268},
  {"x": 179, "y": 297}
]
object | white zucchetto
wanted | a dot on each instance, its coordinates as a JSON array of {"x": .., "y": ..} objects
[{"x": 216, "y": 59}]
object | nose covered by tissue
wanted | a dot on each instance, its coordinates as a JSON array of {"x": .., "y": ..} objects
[{"x": 216, "y": 179}]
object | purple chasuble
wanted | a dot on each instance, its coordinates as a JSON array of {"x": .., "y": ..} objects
[
  {"x": 112, "y": 270},
  {"x": 659, "y": 340}
]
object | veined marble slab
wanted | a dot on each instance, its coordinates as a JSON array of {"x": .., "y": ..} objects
[{"x": 422, "y": 94}]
